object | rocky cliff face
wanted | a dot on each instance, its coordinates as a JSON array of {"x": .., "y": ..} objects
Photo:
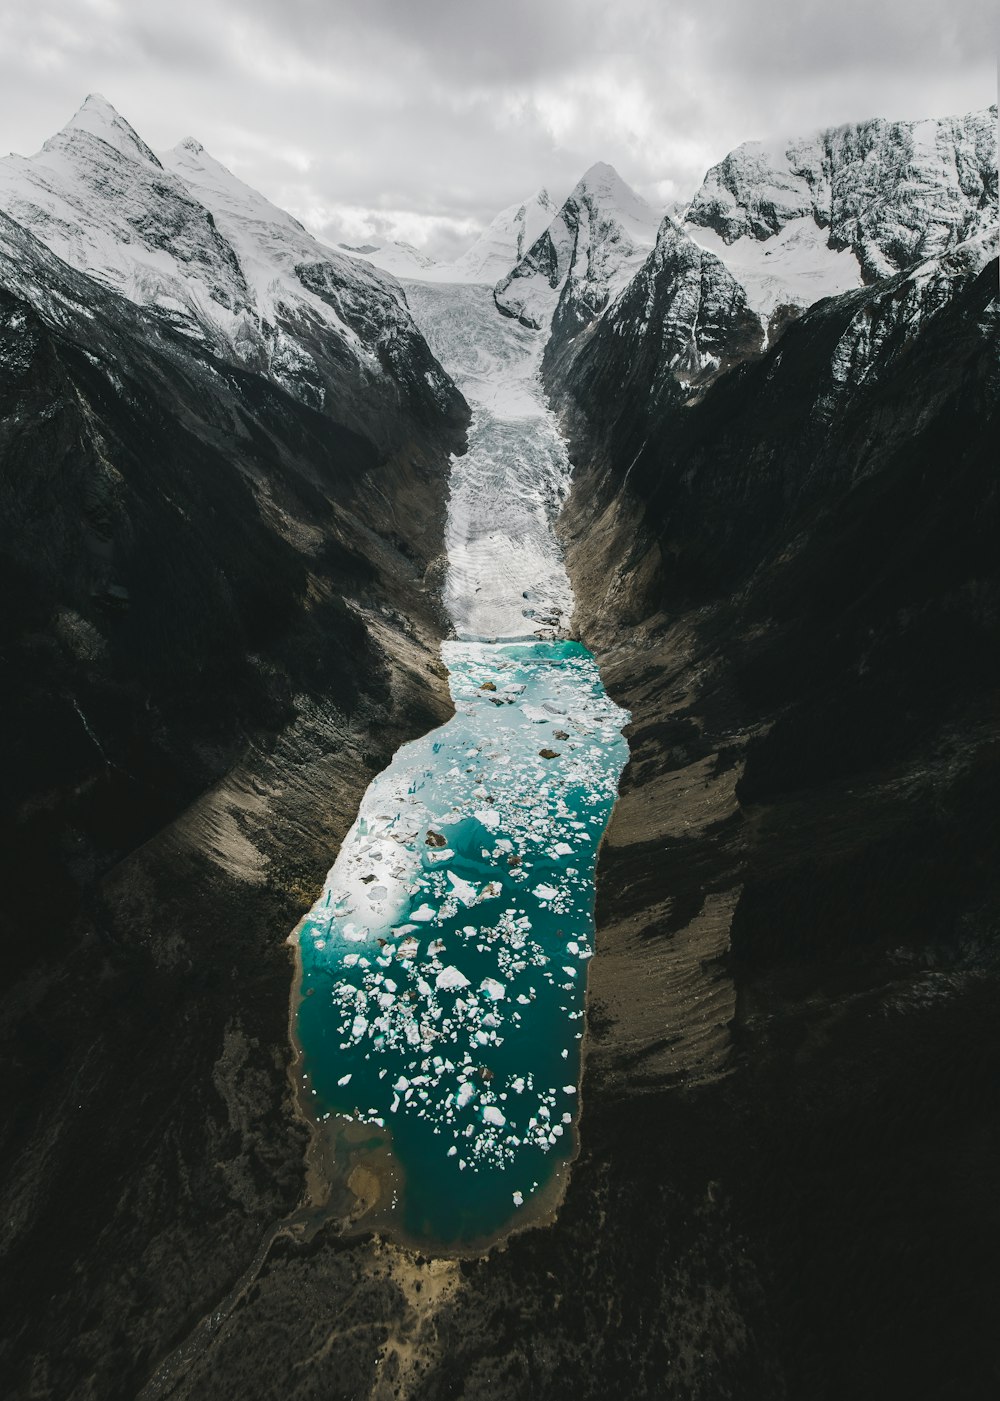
[{"x": 223, "y": 462}]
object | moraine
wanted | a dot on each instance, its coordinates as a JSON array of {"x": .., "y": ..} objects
[{"x": 440, "y": 1010}]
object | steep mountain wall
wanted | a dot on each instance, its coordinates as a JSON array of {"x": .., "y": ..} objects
[
  {"x": 785, "y": 565},
  {"x": 223, "y": 617}
]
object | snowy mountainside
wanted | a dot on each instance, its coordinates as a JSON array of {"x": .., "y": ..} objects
[
  {"x": 773, "y": 231},
  {"x": 792, "y": 269},
  {"x": 889, "y": 192},
  {"x": 212, "y": 259},
  {"x": 589, "y": 251}
]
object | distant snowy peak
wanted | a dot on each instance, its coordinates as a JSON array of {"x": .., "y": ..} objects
[
  {"x": 506, "y": 240},
  {"x": 400, "y": 259},
  {"x": 495, "y": 251},
  {"x": 99, "y": 198},
  {"x": 893, "y": 192},
  {"x": 589, "y": 251},
  {"x": 214, "y": 261}
]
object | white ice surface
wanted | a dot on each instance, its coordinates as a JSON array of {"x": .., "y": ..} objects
[
  {"x": 795, "y": 267},
  {"x": 506, "y": 577}
]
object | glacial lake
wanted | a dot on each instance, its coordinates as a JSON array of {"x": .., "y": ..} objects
[{"x": 444, "y": 966}]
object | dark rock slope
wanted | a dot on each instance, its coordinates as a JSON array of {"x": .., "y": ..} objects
[
  {"x": 220, "y": 620},
  {"x": 790, "y": 576}
]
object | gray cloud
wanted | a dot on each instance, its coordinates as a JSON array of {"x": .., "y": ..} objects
[{"x": 420, "y": 118}]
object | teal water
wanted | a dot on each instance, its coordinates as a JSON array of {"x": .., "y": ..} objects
[{"x": 444, "y": 966}]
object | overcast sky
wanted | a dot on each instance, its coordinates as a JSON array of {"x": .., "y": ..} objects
[{"x": 419, "y": 119}]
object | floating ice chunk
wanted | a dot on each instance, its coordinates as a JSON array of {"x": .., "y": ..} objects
[
  {"x": 353, "y": 934},
  {"x": 569, "y": 1089},
  {"x": 463, "y": 889},
  {"x": 465, "y": 1092},
  {"x": 401, "y": 1084},
  {"x": 562, "y": 849},
  {"x": 407, "y": 949},
  {"x": 450, "y": 977},
  {"x": 452, "y": 1152},
  {"x": 493, "y": 989},
  {"x": 490, "y": 891},
  {"x": 435, "y": 947},
  {"x": 488, "y": 818},
  {"x": 492, "y": 1115},
  {"x": 359, "y": 1026},
  {"x": 424, "y": 914},
  {"x": 545, "y": 892},
  {"x": 344, "y": 1080},
  {"x": 518, "y": 1198}
]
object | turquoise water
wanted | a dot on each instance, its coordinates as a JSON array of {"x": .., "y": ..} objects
[{"x": 444, "y": 966}]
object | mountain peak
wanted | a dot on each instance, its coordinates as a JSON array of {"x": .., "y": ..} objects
[
  {"x": 600, "y": 173},
  {"x": 603, "y": 184},
  {"x": 97, "y": 117}
]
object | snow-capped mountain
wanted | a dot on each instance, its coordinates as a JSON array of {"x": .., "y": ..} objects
[
  {"x": 773, "y": 231},
  {"x": 507, "y": 239},
  {"x": 588, "y": 252},
  {"x": 214, "y": 260},
  {"x": 683, "y": 315},
  {"x": 815, "y": 216}
]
